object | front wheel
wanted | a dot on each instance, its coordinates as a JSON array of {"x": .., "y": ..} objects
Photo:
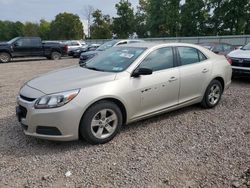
[
  {"x": 55, "y": 56},
  {"x": 212, "y": 95},
  {"x": 4, "y": 57},
  {"x": 101, "y": 122}
]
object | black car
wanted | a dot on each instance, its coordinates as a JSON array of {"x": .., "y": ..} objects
[
  {"x": 91, "y": 47},
  {"x": 31, "y": 47},
  {"x": 240, "y": 59},
  {"x": 88, "y": 55}
]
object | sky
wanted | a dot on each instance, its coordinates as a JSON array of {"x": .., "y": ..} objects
[{"x": 34, "y": 10}]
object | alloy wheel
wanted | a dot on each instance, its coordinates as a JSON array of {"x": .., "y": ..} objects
[
  {"x": 214, "y": 94},
  {"x": 104, "y": 123}
]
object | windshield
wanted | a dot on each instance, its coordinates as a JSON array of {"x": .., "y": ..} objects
[
  {"x": 115, "y": 59},
  {"x": 247, "y": 47},
  {"x": 12, "y": 40},
  {"x": 106, "y": 45}
]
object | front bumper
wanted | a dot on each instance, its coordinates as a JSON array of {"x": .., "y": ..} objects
[{"x": 59, "y": 124}]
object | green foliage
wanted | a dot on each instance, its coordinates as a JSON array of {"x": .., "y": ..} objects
[
  {"x": 163, "y": 17},
  {"x": 141, "y": 20},
  {"x": 10, "y": 30},
  {"x": 31, "y": 29},
  {"x": 153, "y": 18},
  {"x": 66, "y": 26},
  {"x": 124, "y": 23},
  {"x": 101, "y": 27},
  {"x": 194, "y": 16},
  {"x": 229, "y": 17},
  {"x": 44, "y": 29}
]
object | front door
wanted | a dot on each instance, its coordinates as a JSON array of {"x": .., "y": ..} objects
[{"x": 161, "y": 89}]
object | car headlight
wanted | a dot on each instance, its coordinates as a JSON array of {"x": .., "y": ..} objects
[{"x": 56, "y": 100}]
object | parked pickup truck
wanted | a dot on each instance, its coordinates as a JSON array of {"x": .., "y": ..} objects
[{"x": 31, "y": 47}]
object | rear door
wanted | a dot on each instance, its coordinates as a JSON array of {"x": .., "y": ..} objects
[
  {"x": 36, "y": 47},
  {"x": 195, "y": 70}
]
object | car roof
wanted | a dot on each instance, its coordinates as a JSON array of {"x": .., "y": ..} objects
[{"x": 154, "y": 44}]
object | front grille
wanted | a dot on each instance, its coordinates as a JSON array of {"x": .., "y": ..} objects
[
  {"x": 23, "y": 112},
  {"x": 27, "y": 98},
  {"x": 240, "y": 62}
]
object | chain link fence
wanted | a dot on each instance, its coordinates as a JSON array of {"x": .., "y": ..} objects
[{"x": 238, "y": 40}]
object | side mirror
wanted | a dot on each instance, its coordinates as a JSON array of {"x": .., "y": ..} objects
[
  {"x": 16, "y": 44},
  {"x": 216, "y": 52},
  {"x": 142, "y": 71}
]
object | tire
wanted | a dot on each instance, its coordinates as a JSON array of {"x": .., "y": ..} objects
[
  {"x": 4, "y": 57},
  {"x": 101, "y": 122},
  {"x": 55, "y": 56},
  {"x": 212, "y": 95}
]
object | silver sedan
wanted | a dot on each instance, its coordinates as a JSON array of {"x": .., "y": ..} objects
[{"x": 122, "y": 85}]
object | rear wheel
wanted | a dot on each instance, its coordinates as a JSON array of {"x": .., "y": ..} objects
[
  {"x": 55, "y": 56},
  {"x": 4, "y": 57},
  {"x": 212, "y": 95},
  {"x": 101, "y": 122}
]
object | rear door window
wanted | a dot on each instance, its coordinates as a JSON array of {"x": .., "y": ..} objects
[{"x": 188, "y": 55}]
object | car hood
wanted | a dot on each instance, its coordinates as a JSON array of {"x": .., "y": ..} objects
[
  {"x": 240, "y": 53},
  {"x": 3, "y": 44},
  {"x": 69, "y": 79}
]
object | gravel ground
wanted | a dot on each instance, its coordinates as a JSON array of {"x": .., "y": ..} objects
[{"x": 191, "y": 147}]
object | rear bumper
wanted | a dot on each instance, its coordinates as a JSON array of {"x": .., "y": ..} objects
[{"x": 241, "y": 71}]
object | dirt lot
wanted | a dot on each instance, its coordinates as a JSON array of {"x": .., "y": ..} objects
[{"x": 191, "y": 147}]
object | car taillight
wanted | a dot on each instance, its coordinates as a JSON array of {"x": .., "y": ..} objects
[
  {"x": 229, "y": 60},
  {"x": 66, "y": 48}
]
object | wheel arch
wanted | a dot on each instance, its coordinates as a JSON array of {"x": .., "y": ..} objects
[
  {"x": 118, "y": 102},
  {"x": 221, "y": 80},
  {"x": 6, "y": 51},
  {"x": 55, "y": 50}
]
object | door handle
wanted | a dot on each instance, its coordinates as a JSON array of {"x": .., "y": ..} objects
[
  {"x": 172, "y": 79},
  {"x": 205, "y": 70}
]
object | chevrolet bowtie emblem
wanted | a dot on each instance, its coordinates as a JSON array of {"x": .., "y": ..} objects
[{"x": 241, "y": 60}]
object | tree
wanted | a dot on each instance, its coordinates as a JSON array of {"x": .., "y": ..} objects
[
  {"x": 194, "y": 18},
  {"x": 66, "y": 26},
  {"x": 9, "y": 30},
  {"x": 229, "y": 17},
  {"x": 44, "y": 29},
  {"x": 101, "y": 27},
  {"x": 123, "y": 25},
  {"x": 31, "y": 29},
  {"x": 141, "y": 20},
  {"x": 88, "y": 11},
  {"x": 236, "y": 16},
  {"x": 163, "y": 17}
]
